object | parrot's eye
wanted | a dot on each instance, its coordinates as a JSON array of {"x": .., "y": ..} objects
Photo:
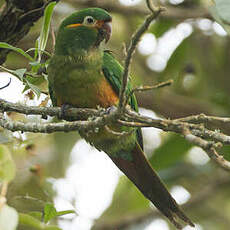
[{"x": 89, "y": 20}]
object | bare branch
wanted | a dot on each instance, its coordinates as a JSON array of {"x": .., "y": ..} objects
[
  {"x": 210, "y": 149},
  {"x": 201, "y": 118},
  {"x": 150, "y": 5},
  {"x": 209, "y": 134},
  {"x": 132, "y": 46},
  {"x": 34, "y": 127},
  {"x": 71, "y": 113},
  {"x": 146, "y": 88},
  {"x": 157, "y": 86},
  {"x": 195, "y": 133}
]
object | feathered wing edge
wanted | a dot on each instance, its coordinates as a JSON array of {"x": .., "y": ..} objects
[{"x": 147, "y": 181}]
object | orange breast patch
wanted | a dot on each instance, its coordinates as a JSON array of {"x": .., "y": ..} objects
[
  {"x": 99, "y": 93},
  {"x": 106, "y": 95}
]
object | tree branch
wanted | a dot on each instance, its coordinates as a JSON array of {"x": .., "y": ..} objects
[
  {"x": 201, "y": 118},
  {"x": 71, "y": 113},
  {"x": 89, "y": 120},
  {"x": 146, "y": 88},
  {"x": 132, "y": 46},
  {"x": 91, "y": 125}
]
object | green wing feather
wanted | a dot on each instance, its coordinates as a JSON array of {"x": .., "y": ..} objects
[{"x": 113, "y": 72}]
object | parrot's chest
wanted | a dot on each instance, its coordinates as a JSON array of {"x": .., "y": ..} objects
[
  {"x": 84, "y": 87},
  {"x": 87, "y": 88}
]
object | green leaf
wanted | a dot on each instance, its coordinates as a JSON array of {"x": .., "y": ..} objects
[
  {"x": 42, "y": 40},
  {"x": 36, "y": 90},
  {"x": 33, "y": 223},
  {"x": 35, "y": 63},
  {"x": 35, "y": 66},
  {"x": 27, "y": 220},
  {"x": 61, "y": 213},
  {"x": 20, "y": 73},
  {"x": 49, "y": 212},
  {"x": 18, "y": 50},
  {"x": 170, "y": 152},
  {"x": 7, "y": 165},
  {"x": 37, "y": 215},
  {"x": 8, "y": 218},
  {"x": 36, "y": 50}
]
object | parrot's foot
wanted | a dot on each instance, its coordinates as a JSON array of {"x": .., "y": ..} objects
[
  {"x": 111, "y": 109},
  {"x": 64, "y": 109}
]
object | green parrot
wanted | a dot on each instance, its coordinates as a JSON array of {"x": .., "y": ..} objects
[{"x": 81, "y": 74}]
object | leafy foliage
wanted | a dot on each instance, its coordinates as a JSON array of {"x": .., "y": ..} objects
[
  {"x": 42, "y": 40},
  {"x": 33, "y": 79},
  {"x": 50, "y": 212}
]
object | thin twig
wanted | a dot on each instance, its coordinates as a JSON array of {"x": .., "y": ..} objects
[
  {"x": 201, "y": 118},
  {"x": 132, "y": 46},
  {"x": 146, "y": 88},
  {"x": 210, "y": 149},
  {"x": 150, "y": 5},
  {"x": 167, "y": 125},
  {"x": 175, "y": 126},
  {"x": 157, "y": 86}
]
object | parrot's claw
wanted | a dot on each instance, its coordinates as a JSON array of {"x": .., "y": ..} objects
[
  {"x": 111, "y": 109},
  {"x": 64, "y": 109}
]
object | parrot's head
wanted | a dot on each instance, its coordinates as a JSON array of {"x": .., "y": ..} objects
[{"x": 83, "y": 30}]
